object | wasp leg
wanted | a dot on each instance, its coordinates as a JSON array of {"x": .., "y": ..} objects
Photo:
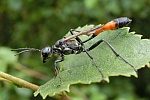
[
  {"x": 114, "y": 51},
  {"x": 73, "y": 30},
  {"x": 85, "y": 50},
  {"x": 57, "y": 69}
]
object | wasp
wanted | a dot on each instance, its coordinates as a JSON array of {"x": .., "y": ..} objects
[{"x": 67, "y": 45}]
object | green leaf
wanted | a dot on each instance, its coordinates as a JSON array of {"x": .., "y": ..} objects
[{"x": 80, "y": 69}]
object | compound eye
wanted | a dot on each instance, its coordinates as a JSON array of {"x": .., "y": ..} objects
[
  {"x": 46, "y": 50},
  {"x": 46, "y": 53}
]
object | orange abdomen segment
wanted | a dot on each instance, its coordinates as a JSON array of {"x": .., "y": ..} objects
[{"x": 108, "y": 26}]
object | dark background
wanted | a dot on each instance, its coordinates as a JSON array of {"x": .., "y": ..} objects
[{"x": 38, "y": 23}]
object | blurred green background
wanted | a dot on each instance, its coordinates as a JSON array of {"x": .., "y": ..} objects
[{"x": 38, "y": 23}]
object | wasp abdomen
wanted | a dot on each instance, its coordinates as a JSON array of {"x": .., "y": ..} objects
[
  {"x": 121, "y": 22},
  {"x": 114, "y": 24}
]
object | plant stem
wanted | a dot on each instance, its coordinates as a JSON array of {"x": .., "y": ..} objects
[
  {"x": 63, "y": 96},
  {"x": 24, "y": 84},
  {"x": 18, "y": 82}
]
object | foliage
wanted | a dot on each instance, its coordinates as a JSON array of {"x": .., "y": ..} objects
[
  {"x": 37, "y": 23},
  {"x": 84, "y": 72}
]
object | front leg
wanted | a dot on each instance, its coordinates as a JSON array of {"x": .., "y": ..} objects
[{"x": 57, "y": 70}]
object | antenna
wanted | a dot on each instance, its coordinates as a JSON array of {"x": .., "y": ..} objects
[{"x": 22, "y": 50}]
